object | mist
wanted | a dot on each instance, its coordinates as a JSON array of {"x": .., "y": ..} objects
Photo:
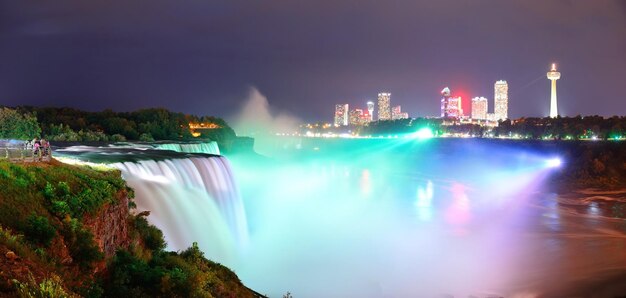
[{"x": 256, "y": 119}]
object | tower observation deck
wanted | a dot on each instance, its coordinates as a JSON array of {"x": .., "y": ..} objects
[{"x": 553, "y": 75}]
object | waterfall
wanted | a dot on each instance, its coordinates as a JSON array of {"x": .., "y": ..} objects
[
  {"x": 208, "y": 148},
  {"x": 191, "y": 199}
]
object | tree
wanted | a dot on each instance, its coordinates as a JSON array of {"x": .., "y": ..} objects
[{"x": 14, "y": 125}]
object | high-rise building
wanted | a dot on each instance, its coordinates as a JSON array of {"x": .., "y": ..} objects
[
  {"x": 445, "y": 93},
  {"x": 501, "y": 100},
  {"x": 355, "y": 116},
  {"x": 450, "y": 105},
  {"x": 479, "y": 108},
  {"x": 396, "y": 113},
  {"x": 341, "y": 114},
  {"x": 370, "y": 109},
  {"x": 366, "y": 117},
  {"x": 553, "y": 75},
  {"x": 384, "y": 106}
]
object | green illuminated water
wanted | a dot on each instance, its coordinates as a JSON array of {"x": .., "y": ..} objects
[
  {"x": 381, "y": 217},
  {"x": 409, "y": 218}
]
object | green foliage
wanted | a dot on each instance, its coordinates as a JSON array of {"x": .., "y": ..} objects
[
  {"x": 90, "y": 198},
  {"x": 56, "y": 198},
  {"x": 146, "y": 137},
  {"x": 82, "y": 247},
  {"x": 151, "y": 236},
  {"x": 16, "y": 125},
  {"x": 49, "y": 288},
  {"x": 64, "y": 124},
  {"x": 39, "y": 230},
  {"x": 169, "y": 274}
]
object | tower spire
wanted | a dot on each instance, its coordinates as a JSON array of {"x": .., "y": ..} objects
[{"x": 553, "y": 75}]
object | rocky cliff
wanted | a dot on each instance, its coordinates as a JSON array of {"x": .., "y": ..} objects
[{"x": 109, "y": 226}]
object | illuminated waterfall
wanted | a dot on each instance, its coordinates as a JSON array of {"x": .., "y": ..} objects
[
  {"x": 191, "y": 200},
  {"x": 208, "y": 148}
]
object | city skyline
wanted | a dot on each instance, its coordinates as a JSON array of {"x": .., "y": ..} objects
[{"x": 207, "y": 55}]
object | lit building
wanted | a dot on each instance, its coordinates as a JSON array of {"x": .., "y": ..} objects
[
  {"x": 366, "y": 117},
  {"x": 491, "y": 117},
  {"x": 341, "y": 114},
  {"x": 479, "y": 108},
  {"x": 370, "y": 110},
  {"x": 445, "y": 93},
  {"x": 356, "y": 117},
  {"x": 450, "y": 105},
  {"x": 501, "y": 100},
  {"x": 396, "y": 113},
  {"x": 384, "y": 106},
  {"x": 553, "y": 75}
]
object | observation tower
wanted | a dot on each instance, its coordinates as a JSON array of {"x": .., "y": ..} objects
[{"x": 553, "y": 75}]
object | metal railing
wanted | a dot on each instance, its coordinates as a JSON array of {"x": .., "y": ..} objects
[{"x": 17, "y": 154}]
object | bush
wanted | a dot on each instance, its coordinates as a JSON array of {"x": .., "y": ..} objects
[
  {"x": 39, "y": 230},
  {"x": 49, "y": 288},
  {"x": 82, "y": 247},
  {"x": 146, "y": 137},
  {"x": 151, "y": 236}
]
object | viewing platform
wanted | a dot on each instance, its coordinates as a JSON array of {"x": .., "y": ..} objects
[
  {"x": 18, "y": 151},
  {"x": 22, "y": 155}
]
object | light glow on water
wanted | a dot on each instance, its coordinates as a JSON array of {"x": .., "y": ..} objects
[
  {"x": 419, "y": 219},
  {"x": 378, "y": 218}
]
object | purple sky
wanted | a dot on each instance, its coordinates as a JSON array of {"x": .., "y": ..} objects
[{"x": 201, "y": 56}]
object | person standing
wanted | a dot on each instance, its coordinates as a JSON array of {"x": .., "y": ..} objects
[
  {"x": 46, "y": 152},
  {"x": 36, "y": 148}
]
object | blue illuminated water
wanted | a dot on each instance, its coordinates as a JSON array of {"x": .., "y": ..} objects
[{"x": 407, "y": 218}]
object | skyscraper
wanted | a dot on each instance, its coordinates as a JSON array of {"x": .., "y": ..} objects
[
  {"x": 553, "y": 75},
  {"x": 445, "y": 93},
  {"x": 384, "y": 106},
  {"x": 341, "y": 114},
  {"x": 396, "y": 113},
  {"x": 370, "y": 109},
  {"x": 479, "y": 108},
  {"x": 355, "y": 116},
  {"x": 450, "y": 105},
  {"x": 501, "y": 100}
]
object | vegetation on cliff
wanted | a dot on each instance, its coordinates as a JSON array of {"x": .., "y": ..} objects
[{"x": 51, "y": 246}]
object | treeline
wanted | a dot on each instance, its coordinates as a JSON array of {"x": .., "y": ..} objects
[
  {"x": 68, "y": 124},
  {"x": 559, "y": 128}
]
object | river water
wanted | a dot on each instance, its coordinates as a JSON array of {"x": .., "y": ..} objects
[{"x": 423, "y": 218}]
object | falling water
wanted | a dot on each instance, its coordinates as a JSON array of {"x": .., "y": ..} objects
[
  {"x": 191, "y": 197},
  {"x": 208, "y": 148}
]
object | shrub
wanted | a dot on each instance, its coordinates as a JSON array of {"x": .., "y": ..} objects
[
  {"x": 82, "y": 247},
  {"x": 146, "y": 137},
  {"x": 39, "y": 230},
  {"x": 117, "y": 138},
  {"x": 49, "y": 288},
  {"x": 151, "y": 236}
]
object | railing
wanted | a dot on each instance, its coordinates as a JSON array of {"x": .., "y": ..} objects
[{"x": 23, "y": 155}]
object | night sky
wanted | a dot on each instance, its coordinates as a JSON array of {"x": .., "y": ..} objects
[{"x": 203, "y": 57}]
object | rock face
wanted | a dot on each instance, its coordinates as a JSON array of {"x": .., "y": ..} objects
[{"x": 110, "y": 227}]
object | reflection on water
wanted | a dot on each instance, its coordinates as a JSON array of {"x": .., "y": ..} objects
[{"x": 381, "y": 218}]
